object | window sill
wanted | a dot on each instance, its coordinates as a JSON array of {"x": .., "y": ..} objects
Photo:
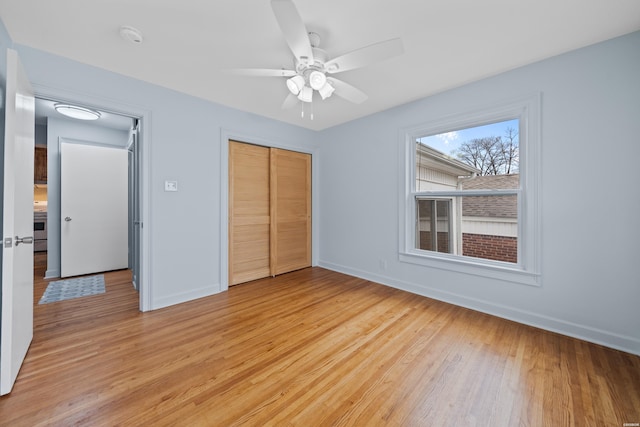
[{"x": 473, "y": 266}]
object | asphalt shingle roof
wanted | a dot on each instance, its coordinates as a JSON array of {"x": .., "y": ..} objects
[{"x": 491, "y": 206}]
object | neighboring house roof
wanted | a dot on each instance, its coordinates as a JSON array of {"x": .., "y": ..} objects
[
  {"x": 491, "y": 206},
  {"x": 437, "y": 160}
]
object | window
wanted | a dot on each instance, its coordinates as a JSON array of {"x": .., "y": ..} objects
[
  {"x": 434, "y": 224},
  {"x": 481, "y": 159},
  {"x": 471, "y": 205}
]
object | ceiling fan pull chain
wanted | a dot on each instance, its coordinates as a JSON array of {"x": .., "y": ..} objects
[
  {"x": 311, "y": 106},
  {"x": 302, "y": 114}
]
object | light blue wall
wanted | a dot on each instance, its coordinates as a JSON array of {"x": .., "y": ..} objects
[
  {"x": 590, "y": 200},
  {"x": 41, "y": 135},
  {"x": 56, "y": 129},
  {"x": 184, "y": 134},
  {"x": 590, "y": 196}
]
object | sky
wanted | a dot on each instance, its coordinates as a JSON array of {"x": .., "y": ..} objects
[{"x": 448, "y": 142}]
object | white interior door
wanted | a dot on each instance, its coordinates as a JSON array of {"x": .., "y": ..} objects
[
  {"x": 94, "y": 209},
  {"x": 17, "y": 257},
  {"x": 134, "y": 209}
]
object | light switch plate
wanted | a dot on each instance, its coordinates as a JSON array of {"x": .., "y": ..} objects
[{"x": 171, "y": 186}]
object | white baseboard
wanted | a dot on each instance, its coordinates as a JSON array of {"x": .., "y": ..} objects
[
  {"x": 586, "y": 333},
  {"x": 167, "y": 301},
  {"x": 52, "y": 274}
]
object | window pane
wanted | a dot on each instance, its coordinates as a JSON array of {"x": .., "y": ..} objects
[
  {"x": 443, "y": 160},
  {"x": 443, "y": 225},
  {"x": 482, "y": 158},
  {"x": 425, "y": 215},
  {"x": 490, "y": 227},
  {"x": 434, "y": 215}
]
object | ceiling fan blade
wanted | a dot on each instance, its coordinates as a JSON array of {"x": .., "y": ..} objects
[
  {"x": 290, "y": 102},
  {"x": 261, "y": 72},
  {"x": 348, "y": 92},
  {"x": 294, "y": 30},
  {"x": 365, "y": 56}
]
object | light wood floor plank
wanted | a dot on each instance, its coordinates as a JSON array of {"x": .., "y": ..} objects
[{"x": 308, "y": 348}]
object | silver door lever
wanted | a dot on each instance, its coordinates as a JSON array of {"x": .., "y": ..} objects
[{"x": 25, "y": 240}]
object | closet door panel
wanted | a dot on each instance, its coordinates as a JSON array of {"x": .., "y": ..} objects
[
  {"x": 290, "y": 211},
  {"x": 249, "y": 212}
]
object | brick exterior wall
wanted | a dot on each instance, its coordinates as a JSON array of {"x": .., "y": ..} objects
[{"x": 497, "y": 248}]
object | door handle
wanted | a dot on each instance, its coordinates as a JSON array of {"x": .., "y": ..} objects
[
  {"x": 25, "y": 240},
  {"x": 68, "y": 218}
]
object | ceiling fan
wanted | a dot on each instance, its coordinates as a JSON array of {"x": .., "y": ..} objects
[{"x": 313, "y": 70}]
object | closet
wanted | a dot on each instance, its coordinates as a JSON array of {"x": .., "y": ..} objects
[{"x": 269, "y": 211}]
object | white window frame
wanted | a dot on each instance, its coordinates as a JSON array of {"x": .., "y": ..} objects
[{"x": 527, "y": 269}]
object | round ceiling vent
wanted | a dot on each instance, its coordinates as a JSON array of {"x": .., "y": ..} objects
[{"x": 131, "y": 34}]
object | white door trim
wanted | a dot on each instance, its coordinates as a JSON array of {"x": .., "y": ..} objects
[{"x": 144, "y": 114}]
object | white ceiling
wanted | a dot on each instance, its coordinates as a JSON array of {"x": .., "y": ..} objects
[{"x": 189, "y": 43}]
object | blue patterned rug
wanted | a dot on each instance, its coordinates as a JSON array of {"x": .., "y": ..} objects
[{"x": 73, "y": 288}]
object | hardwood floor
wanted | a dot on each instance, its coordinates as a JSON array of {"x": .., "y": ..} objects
[{"x": 308, "y": 348}]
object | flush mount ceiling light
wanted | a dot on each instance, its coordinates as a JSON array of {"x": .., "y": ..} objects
[{"x": 76, "y": 112}]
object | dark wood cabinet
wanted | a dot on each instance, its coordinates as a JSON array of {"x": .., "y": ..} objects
[{"x": 40, "y": 167}]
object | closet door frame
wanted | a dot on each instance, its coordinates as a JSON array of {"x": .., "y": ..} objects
[{"x": 230, "y": 135}]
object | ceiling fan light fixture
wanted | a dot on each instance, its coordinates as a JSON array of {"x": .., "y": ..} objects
[
  {"x": 295, "y": 84},
  {"x": 317, "y": 80},
  {"x": 326, "y": 90},
  {"x": 306, "y": 94},
  {"x": 76, "y": 112}
]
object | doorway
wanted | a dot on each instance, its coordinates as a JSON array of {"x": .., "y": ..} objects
[{"x": 123, "y": 131}]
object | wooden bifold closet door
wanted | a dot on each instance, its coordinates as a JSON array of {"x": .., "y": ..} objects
[{"x": 269, "y": 211}]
